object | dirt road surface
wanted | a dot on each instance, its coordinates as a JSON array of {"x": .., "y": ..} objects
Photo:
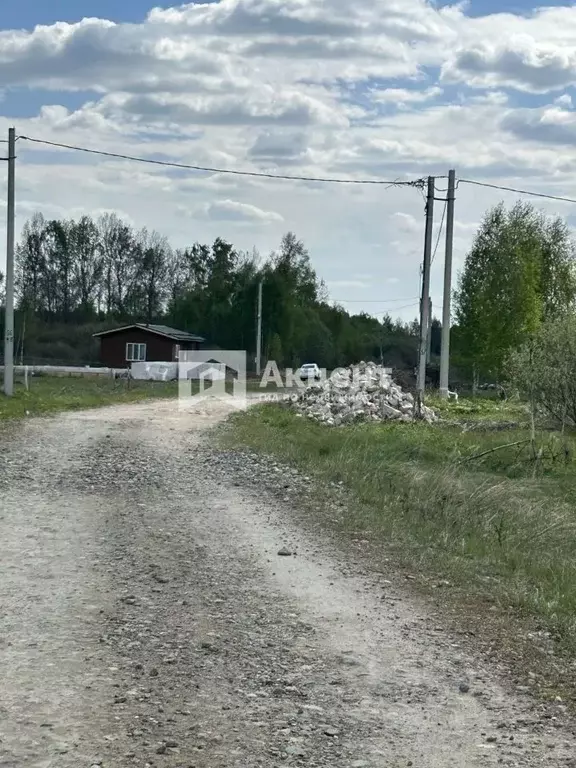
[{"x": 147, "y": 619}]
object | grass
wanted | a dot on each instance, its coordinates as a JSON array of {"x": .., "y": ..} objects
[
  {"x": 48, "y": 394},
  {"x": 500, "y": 527},
  {"x": 481, "y": 408}
]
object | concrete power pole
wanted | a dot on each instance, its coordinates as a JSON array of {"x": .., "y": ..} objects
[
  {"x": 424, "y": 304},
  {"x": 446, "y": 310},
  {"x": 259, "y": 332},
  {"x": 429, "y": 335},
  {"x": 10, "y": 226}
]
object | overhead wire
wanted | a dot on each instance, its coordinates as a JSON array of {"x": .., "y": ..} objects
[
  {"x": 388, "y": 310},
  {"x": 417, "y": 183},
  {"x": 516, "y": 191},
  {"x": 375, "y": 301},
  {"x": 398, "y": 309},
  {"x": 439, "y": 233}
]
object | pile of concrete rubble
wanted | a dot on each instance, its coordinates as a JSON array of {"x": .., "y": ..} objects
[{"x": 360, "y": 393}]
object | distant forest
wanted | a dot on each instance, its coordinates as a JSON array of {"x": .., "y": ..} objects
[{"x": 76, "y": 277}]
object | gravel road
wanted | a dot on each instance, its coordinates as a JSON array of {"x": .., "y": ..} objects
[{"x": 147, "y": 619}]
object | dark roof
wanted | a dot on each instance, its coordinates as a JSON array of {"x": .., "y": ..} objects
[{"x": 159, "y": 330}]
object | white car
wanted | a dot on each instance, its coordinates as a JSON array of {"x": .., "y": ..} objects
[{"x": 309, "y": 371}]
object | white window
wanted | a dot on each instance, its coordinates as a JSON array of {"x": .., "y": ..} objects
[{"x": 135, "y": 353}]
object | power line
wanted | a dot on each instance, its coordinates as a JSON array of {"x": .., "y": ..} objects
[
  {"x": 375, "y": 301},
  {"x": 167, "y": 164},
  {"x": 439, "y": 232},
  {"x": 517, "y": 191},
  {"x": 397, "y": 309},
  {"x": 416, "y": 183},
  {"x": 415, "y": 303}
]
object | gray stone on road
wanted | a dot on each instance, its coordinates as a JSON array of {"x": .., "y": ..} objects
[{"x": 146, "y": 620}]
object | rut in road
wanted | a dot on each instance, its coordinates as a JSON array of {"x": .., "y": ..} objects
[{"x": 146, "y": 619}]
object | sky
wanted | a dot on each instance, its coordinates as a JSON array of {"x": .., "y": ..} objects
[{"x": 383, "y": 89}]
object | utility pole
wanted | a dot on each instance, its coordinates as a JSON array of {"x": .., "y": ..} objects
[
  {"x": 445, "y": 354},
  {"x": 429, "y": 335},
  {"x": 10, "y": 225},
  {"x": 424, "y": 305},
  {"x": 259, "y": 332},
  {"x": 22, "y": 339}
]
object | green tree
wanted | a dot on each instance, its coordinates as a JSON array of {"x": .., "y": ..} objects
[
  {"x": 290, "y": 288},
  {"x": 77, "y": 277},
  {"x": 87, "y": 263},
  {"x": 116, "y": 248},
  {"x": 518, "y": 273},
  {"x": 544, "y": 369},
  {"x": 30, "y": 264},
  {"x": 275, "y": 349}
]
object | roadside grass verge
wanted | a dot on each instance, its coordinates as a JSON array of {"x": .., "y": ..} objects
[
  {"x": 48, "y": 394},
  {"x": 480, "y": 409},
  {"x": 500, "y": 526}
]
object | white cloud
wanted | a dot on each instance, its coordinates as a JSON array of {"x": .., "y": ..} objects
[
  {"x": 550, "y": 125},
  {"x": 498, "y": 98},
  {"x": 520, "y": 63},
  {"x": 232, "y": 210},
  {"x": 296, "y": 87},
  {"x": 229, "y": 40},
  {"x": 288, "y": 107},
  {"x": 532, "y": 52},
  {"x": 403, "y": 97},
  {"x": 275, "y": 145},
  {"x": 405, "y": 222},
  {"x": 564, "y": 101}
]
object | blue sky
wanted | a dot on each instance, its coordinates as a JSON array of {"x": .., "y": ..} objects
[
  {"x": 483, "y": 7},
  {"x": 28, "y": 13},
  {"x": 486, "y": 88}
]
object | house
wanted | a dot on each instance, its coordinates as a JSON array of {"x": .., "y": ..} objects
[{"x": 138, "y": 343}]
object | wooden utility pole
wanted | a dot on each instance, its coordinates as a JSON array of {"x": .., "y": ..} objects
[
  {"x": 424, "y": 303},
  {"x": 446, "y": 311}
]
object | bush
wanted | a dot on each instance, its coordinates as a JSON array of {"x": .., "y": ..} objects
[{"x": 544, "y": 370}]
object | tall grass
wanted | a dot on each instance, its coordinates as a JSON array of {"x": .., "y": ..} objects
[
  {"x": 493, "y": 524},
  {"x": 54, "y": 393}
]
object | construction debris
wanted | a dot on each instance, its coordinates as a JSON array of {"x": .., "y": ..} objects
[{"x": 360, "y": 393}]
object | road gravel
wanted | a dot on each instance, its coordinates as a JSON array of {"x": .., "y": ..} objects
[{"x": 162, "y": 606}]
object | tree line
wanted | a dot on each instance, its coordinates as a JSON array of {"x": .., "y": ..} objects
[{"x": 77, "y": 276}]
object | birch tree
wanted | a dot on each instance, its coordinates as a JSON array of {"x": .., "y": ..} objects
[{"x": 518, "y": 273}]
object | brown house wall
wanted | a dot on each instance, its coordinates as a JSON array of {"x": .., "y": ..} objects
[{"x": 158, "y": 348}]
